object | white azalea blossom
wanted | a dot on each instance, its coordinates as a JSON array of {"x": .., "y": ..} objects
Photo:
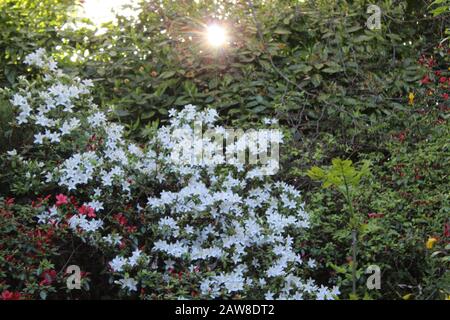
[
  {"x": 118, "y": 263},
  {"x": 128, "y": 284}
]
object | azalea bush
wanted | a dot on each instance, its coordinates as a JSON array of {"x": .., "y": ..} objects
[
  {"x": 33, "y": 256},
  {"x": 163, "y": 229}
]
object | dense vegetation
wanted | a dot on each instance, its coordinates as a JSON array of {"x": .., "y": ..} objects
[{"x": 376, "y": 98}]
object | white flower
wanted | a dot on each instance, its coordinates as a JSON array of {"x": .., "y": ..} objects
[
  {"x": 36, "y": 58},
  {"x": 234, "y": 282},
  {"x": 176, "y": 249},
  {"x": 312, "y": 263},
  {"x": 80, "y": 221},
  {"x": 169, "y": 264},
  {"x": 19, "y": 100},
  {"x": 48, "y": 216},
  {"x": 25, "y": 112},
  {"x": 96, "y": 205},
  {"x": 97, "y": 119},
  {"x": 39, "y": 138},
  {"x": 97, "y": 192},
  {"x": 188, "y": 229},
  {"x": 48, "y": 177},
  {"x": 172, "y": 113},
  {"x": 52, "y": 136},
  {"x": 12, "y": 153},
  {"x": 87, "y": 83},
  {"x": 128, "y": 283},
  {"x": 322, "y": 293},
  {"x": 135, "y": 150},
  {"x": 277, "y": 269},
  {"x": 133, "y": 260},
  {"x": 112, "y": 239},
  {"x": 43, "y": 121},
  {"x": 118, "y": 263},
  {"x": 91, "y": 225},
  {"x": 68, "y": 126},
  {"x": 268, "y": 295}
]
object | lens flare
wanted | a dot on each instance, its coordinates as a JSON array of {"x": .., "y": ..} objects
[{"x": 216, "y": 35}]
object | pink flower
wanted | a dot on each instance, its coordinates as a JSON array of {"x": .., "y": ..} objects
[
  {"x": 48, "y": 276},
  {"x": 121, "y": 219},
  {"x": 425, "y": 80},
  {"x": 7, "y": 295},
  {"x": 86, "y": 210},
  {"x": 9, "y": 201},
  {"x": 61, "y": 199}
]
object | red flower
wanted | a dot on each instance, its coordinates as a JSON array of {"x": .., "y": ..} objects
[
  {"x": 425, "y": 80},
  {"x": 86, "y": 210},
  {"x": 131, "y": 229},
  {"x": 9, "y": 201},
  {"x": 48, "y": 276},
  {"x": 39, "y": 202},
  {"x": 442, "y": 79},
  {"x": 121, "y": 219},
  {"x": 431, "y": 62},
  {"x": 61, "y": 199},
  {"x": 7, "y": 295},
  {"x": 401, "y": 136},
  {"x": 445, "y": 96}
]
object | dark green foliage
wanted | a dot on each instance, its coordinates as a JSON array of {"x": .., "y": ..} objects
[
  {"x": 302, "y": 63},
  {"x": 25, "y": 26}
]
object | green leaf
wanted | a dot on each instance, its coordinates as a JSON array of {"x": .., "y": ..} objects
[
  {"x": 332, "y": 70},
  {"x": 167, "y": 74},
  {"x": 316, "y": 79},
  {"x": 281, "y": 31},
  {"x": 362, "y": 38},
  {"x": 354, "y": 29}
]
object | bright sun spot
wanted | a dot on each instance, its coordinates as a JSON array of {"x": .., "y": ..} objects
[{"x": 216, "y": 35}]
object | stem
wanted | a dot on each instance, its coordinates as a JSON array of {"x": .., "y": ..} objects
[
  {"x": 353, "y": 225},
  {"x": 354, "y": 242}
]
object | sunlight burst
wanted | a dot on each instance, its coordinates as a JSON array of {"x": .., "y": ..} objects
[{"x": 216, "y": 35}]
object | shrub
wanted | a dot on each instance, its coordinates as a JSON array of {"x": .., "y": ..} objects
[
  {"x": 405, "y": 202},
  {"x": 209, "y": 230}
]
